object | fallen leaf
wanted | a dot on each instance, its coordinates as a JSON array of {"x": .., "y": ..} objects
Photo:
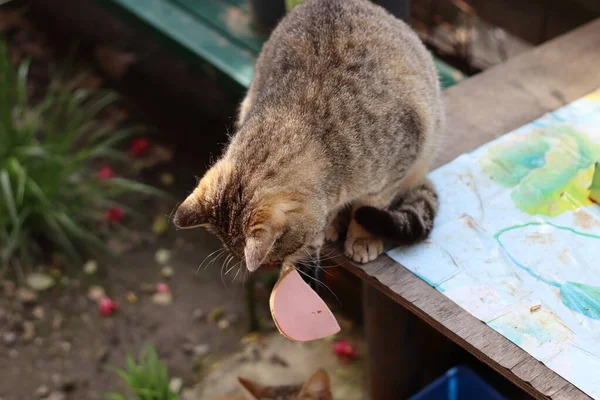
[
  {"x": 28, "y": 331},
  {"x": 535, "y": 308},
  {"x": 167, "y": 178},
  {"x": 119, "y": 246},
  {"x": 38, "y": 312},
  {"x": 95, "y": 293},
  {"x": 198, "y": 314},
  {"x": 201, "y": 350},
  {"x": 147, "y": 287},
  {"x": 162, "y": 298},
  {"x": 252, "y": 337},
  {"x": 39, "y": 281},
  {"x": 162, "y": 256},
  {"x": 90, "y": 267},
  {"x": 160, "y": 224},
  {"x": 113, "y": 62},
  {"x": 215, "y": 314},
  {"x": 57, "y": 321},
  {"x": 223, "y": 324},
  {"x": 175, "y": 384},
  {"x": 8, "y": 288},
  {"x": 131, "y": 297},
  {"x": 166, "y": 272}
]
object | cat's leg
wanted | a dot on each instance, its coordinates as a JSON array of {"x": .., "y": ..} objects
[{"x": 338, "y": 224}]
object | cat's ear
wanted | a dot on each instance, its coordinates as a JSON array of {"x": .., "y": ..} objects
[
  {"x": 190, "y": 213},
  {"x": 317, "y": 386},
  {"x": 257, "y": 247},
  {"x": 251, "y": 389}
]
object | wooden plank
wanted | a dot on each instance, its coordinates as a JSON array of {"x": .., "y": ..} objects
[
  {"x": 510, "y": 95},
  {"x": 549, "y": 382},
  {"x": 194, "y": 36},
  {"x": 570, "y": 393},
  {"x": 529, "y": 369},
  {"x": 479, "y": 110},
  {"x": 233, "y": 21}
]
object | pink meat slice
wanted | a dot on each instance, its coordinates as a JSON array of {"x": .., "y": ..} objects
[{"x": 299, "y": 313}]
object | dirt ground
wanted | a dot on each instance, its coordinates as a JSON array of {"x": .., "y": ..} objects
[{"x": 58, "y": 346}]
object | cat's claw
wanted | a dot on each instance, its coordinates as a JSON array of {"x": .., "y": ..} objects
[{"x": 363, "y": 250}]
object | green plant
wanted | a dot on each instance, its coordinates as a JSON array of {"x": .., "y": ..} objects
[
  {"x": 148, "y": 379},
  {"x": 51, "y": 197}
]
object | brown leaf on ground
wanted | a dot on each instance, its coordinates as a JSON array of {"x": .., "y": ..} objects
[{"x": 114, "y": 63}]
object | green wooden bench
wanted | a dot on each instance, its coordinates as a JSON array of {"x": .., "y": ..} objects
[{"x": 217, "y": 34}]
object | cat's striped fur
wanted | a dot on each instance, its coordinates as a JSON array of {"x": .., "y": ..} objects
[{"x": 344, "y": 111}]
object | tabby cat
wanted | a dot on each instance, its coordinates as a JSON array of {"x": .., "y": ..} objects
[
  {"x": 344, "y": 111},
  {"x": 316, "y": 388}
]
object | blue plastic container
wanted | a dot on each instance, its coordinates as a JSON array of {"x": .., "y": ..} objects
[{"x": 459, "y": 383}]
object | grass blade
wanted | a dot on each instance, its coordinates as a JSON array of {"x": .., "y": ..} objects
[
  {"x": 133, "y": 186},
  {"x": 8, "y": 196}
]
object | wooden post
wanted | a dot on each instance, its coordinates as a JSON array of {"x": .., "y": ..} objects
[{"x": 405, "y": 354}]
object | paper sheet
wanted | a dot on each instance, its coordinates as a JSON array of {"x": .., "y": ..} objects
[{"x": 516, "y": 230}]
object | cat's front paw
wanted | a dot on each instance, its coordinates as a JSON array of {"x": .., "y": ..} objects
[{"x": 364, "y": 249}]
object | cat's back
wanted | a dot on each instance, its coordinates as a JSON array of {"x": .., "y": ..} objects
[{"x": 354, "y": 37}]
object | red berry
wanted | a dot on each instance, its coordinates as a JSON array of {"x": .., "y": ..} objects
[
  {"x": 162, "y": 287},
  {"x": 344, "y": 350},
  {"x": 139, "y": 147},
  {"x": 105, "y": 172},
  {"x": 106, "y": 306},
  {"x": 114, "y": 214}
]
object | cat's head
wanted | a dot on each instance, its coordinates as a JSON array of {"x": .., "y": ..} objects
[
  {"x": 317, "y": 387},
  {"x": 258, "y": 222}
]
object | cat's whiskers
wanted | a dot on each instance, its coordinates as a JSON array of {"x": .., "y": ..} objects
[
  {"x": 319, "y": 283},
  {"x": 225, "y": 266},
  {"x": 207, "y": 257},
  {"x": 233, "y": 266},
  {"x": 315, "y": 262},
  {"x": 215, "y": 259},
  {"x": 240, "y": 266}
]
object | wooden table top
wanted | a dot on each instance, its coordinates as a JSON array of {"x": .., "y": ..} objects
[{"x": 478, "y": 110}]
